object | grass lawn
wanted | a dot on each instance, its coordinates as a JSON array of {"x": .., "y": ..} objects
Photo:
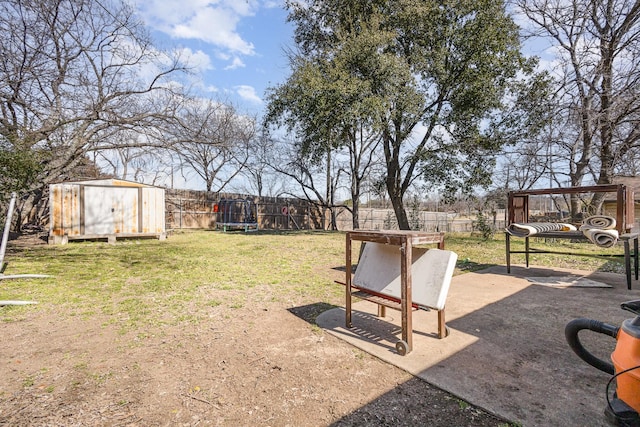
[
  {"x": 139, "y": 282},
  {"x": 200, "y": 328}
]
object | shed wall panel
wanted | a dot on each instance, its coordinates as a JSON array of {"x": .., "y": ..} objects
[
  {"x": 153, "y": 220},
  {"x": 72, "y": 205},
  {"x": 65, "y": 210},
  {"x": 110, "y": 210},
  {"x": 95, "y": 208}
]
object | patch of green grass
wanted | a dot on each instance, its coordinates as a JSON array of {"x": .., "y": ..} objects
[
  {"x": 137, "y": 284},
  {"x": 462, "y": 404},
  {"x": 28, "y": 382},
  {"x": 475, "y": 253},
  {"x": 101, "y": 377}
]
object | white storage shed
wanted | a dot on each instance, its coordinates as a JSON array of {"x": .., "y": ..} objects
[{"x": 105, "y": 209}]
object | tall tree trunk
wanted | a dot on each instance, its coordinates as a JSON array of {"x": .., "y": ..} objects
[
  {"x": 355, "y": 214},
  {"x": 399, "y": 210},
  {"x": 395, "y": 189},
  {"x": 396, "y": 194},
  {"x": 329, "y": 197},
  {"x": 355, "y": 192}
]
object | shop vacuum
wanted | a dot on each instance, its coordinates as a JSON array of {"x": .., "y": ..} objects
[{"x": 623, "y": 409}]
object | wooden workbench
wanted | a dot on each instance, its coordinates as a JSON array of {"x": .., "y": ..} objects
[{"x": 406, "y": 240}]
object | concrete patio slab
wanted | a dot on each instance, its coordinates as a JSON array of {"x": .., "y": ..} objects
[{"x": 506, "y": 351}]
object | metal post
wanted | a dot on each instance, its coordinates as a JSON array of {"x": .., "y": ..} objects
[
  {"x": 3, "y": 248},
  {"x": 5, "y": 234}
]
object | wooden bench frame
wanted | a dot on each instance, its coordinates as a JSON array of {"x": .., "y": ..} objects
[
  {"x": 518, "y": 212},
  {"x": 406, "y": 240}
]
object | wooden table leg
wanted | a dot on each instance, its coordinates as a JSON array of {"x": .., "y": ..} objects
[
  {"x": 405, "y": 294},
  {"x": 507, "y": 243},
  {"x": 348, "y": 281},
  {"x": 635, "y": 255},
  {"x": 627, "y": 262},
  {"x": 442, "y": 327}
]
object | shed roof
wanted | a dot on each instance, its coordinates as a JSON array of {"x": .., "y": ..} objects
[{"x": 108, "y": 182}]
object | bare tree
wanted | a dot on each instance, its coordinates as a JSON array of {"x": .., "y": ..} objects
[
  {"x": 317, "y": 181},
  {"x": 71, "y": 73},
  {"x": 525, "y": 166},
  {"x": 362, "y": 145},
  {"x": 260, "y": 177},
  {"x": 212, "y": 139},
  {"x": 140, "y": 164},
  {"x": 598, "y": 46}
]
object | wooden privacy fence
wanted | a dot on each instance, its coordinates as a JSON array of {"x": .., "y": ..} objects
[{"x": 197, "y": 209}]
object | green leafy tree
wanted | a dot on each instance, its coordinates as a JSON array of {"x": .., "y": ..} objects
[
  {"x": 329, "y": 110},
  {"x": 424, "y": 75},
  {"x": 18, "y": 170},
  {"x": 483, "y": 225}
]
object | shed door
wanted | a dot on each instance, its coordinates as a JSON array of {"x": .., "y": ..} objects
[{"x": 110, "y": 210}]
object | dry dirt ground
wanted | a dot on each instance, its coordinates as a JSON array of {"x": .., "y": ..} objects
[{"x": 265, "y": 364}]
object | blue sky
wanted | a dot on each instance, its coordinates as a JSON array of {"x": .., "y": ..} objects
[{"x": 236, "y": 46}]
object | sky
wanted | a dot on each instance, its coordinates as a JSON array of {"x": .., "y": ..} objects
[{"x": 236, "y": 46}]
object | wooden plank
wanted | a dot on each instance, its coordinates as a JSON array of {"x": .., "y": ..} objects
[
  {"x": 349, "y": 276},
  {"x": 387, "y": 302},
  {"x": 630, "y": 213},
  {"x": 397, "y": 237},
  {"x": 570, "y": 190},
  {"x": 406, "y": 294},
  {"x": 359, "y": 292}
]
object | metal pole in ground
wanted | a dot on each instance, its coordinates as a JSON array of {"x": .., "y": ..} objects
[
  {"x": 3, "y": 248},
  {"x": 5, "y": 234}
]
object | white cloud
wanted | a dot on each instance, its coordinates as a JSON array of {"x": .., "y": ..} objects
[
  {"x": 270, "y": 4},
  {"x": 220, "y": 35},
  {"x": 248, "y": 93},
  {"x": 236, "y": 63},
  {"x": 215, "y": 26},
  {"x": 213, "y": 22},
  {"x": 198, "y": 61}
]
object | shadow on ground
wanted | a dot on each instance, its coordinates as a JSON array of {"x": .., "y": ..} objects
[{"x": 310, "y": 312}]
